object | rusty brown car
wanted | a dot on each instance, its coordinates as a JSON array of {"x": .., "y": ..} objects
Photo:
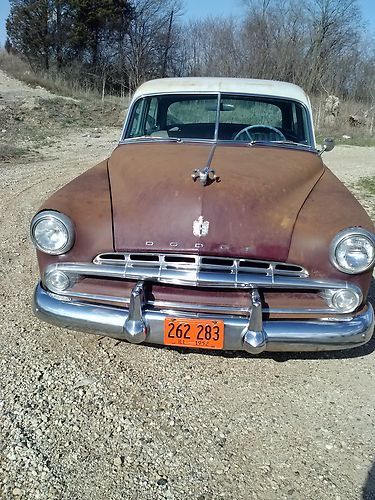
[{"x": 214, "y": 224}]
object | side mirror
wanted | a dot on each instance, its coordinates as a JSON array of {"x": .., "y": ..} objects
[{"x": 328, "y": 145}]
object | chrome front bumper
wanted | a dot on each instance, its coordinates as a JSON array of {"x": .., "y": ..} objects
[{"x": 241, "y": 334}]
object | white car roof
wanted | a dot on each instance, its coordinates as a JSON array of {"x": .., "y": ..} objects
[{"x": 215, "y": 85}]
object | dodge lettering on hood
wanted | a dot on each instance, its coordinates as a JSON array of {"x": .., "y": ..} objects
[{"x": 213, "y": 225}]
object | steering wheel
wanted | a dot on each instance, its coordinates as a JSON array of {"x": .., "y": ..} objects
[{"x": 261, "y": 129}]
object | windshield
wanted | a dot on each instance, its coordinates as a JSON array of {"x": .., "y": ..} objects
[{"x": 225, "y": 118}]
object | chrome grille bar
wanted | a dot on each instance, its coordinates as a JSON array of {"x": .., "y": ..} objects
[
  {"x": 198, "y": 270},
  {"x": 185, "y": 308}
]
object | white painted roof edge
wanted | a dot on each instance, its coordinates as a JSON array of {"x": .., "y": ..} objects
[{"x": 231, "y": 85}]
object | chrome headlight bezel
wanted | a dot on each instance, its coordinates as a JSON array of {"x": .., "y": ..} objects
[
  {"x": 62, "y": 220},
  {"x": 344, "y": 235}
]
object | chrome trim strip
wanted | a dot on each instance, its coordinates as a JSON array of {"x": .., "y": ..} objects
[
  {"x": 181, "y": 307},
  {"x": 314, "y": 335},
  {"x": 219, "y": 142},
  {"x": 217, "y": 121},
  {"x": 206, "y": 309}
]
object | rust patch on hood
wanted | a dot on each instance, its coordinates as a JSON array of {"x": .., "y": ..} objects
[
  {"x": 251, "y": 211},
  {"x": 254, "y": 208},
  {"x": 155, "y": 199}
]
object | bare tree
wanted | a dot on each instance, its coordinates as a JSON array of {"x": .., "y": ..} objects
[
  {"x": 212, "y": 47},
  {"x": 334, "y": 35},
  {"x": 120, "y": 43},
  {"x": 149, "y": 32}
]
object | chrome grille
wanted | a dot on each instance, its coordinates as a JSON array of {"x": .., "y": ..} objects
[{"x": 198, "y": 270}]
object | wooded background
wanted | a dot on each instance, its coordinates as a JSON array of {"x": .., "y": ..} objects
[{"x": 114, "y": 45}]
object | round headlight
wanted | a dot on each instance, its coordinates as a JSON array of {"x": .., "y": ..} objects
[
  {"x": 52, "y": 232},
  {"x": 353, "y": 251}
]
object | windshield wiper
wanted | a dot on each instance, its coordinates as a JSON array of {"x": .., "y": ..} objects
[
  {"x": 279, "y": 143},
  {"x": 293, "y": 143},
  {"x": 148, "y": 138}
]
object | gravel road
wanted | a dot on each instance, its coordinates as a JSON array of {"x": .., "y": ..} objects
[{"x": 85, "y": 417}]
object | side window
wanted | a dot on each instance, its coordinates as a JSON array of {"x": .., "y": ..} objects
[
  {"x": 143, "y": 121},
  {"x": 152, "y": 111},
  {"x": 136, "y": 119},
  {"x": 298, "y": 125}
]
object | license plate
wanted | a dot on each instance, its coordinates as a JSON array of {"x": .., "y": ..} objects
[{"x": 197, "y": 333}]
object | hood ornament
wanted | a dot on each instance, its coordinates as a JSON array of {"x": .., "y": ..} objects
[
  {"x": 206, "y": 175},
  {"x": 200, "y": 227}
]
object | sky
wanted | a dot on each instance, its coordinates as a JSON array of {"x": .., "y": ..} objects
[{"x": 202, "y": 8}]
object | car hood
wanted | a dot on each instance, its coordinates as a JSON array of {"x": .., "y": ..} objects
[{"x": 251, "y": 210}]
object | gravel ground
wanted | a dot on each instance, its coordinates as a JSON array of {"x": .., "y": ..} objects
[{"x": 84, "y": 417}]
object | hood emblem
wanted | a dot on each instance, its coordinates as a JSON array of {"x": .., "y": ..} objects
[
  {"x": 206, "y": 176},
  {"x": 200, "y": 227}
]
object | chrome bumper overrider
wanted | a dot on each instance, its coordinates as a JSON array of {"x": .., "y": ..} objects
[{"x": 139, "y": 323}]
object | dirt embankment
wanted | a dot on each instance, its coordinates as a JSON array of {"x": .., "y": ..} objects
[
  {"x": 87, "y": 417},
  {"x": 31, "y": 119}
]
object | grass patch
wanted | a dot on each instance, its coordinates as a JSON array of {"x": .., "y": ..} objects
[
  {"x": 354, "y": 119},
  {"x": 21, "y": 70},
  {"x": 364, "y": 190},
  {"x": 368, "y": 141},
  {"x": 367, "y": 184},
  {"x": 10, "y": 152},
  {"x": 358, "y": 141},
  {"x": 69, "y": 83}
]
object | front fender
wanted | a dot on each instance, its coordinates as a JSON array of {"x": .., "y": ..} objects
[
  {"x": 329, "y": 208},
  {"x": 87, "y": 201}
]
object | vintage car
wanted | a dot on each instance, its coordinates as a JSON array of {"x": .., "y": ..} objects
[{"x": 214, "y": 224}]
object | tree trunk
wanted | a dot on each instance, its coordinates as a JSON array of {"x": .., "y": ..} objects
[
  {"x": 167, "y": 47},
  {"x": 58, "y": 35}
]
